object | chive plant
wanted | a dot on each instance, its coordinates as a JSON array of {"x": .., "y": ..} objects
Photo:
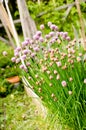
[{"x": 56, "y": 71}]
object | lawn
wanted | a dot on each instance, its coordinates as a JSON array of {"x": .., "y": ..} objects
[{"x": 17, "y": 112}]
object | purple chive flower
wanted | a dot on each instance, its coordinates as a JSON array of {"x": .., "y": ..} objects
[
  {"x": 18, "y": 60},
  {"x": 36, "y": 49},
  {"x": 56, "y": 38},
  {"x": 42, "y": 26},
  {"x": 61, "y": 33},
  {"x": 25, "y": 52},
  {"x": 13, "y": 59},
  {"x": 51, "y": 34},
  {"x": 21, "y": 66},
  {"x": 28, "y": 40},
  {"x": 65, "y": 34},
  {"x": 25, "y": 43},
  {"x": 64, "y": 37},
  {"x": 33, "y": 55},
  {"x": 56, "y": 28},
  {"x": 68, "y": 38},
  {"x": 27, "y": 64},
  {"x": 16, "y": 54},
  {"x": 49, "y": 24},
  {"x": 57, "y": 33},
  {"x": 64, "y": 84},
  {"x": 23, "y": 57},
  {"x": 41, "y": 39},
  {"x": 53, "y": 27},
  {"x": 38, "y": 33},
  {"x": 18, "y": 49},
  {"x": 47, "y": 36},
  {"x": 58, "y": 64},
  {"x": 36, "y": 37},
  {"x": 53, "y": 40},
  {"x": 4, "y": 53},
  {"x": 31, "y": 41}
]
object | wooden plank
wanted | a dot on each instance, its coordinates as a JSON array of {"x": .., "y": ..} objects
[
  {"x": 4, "y": 40},
  {"x": 28, "y": 25},
  {"x": 6, "y": 23},
  {"x": 15, "y": 22},
  {"x": 13, "y": 31},
  {"x": 81, "y": 23}
]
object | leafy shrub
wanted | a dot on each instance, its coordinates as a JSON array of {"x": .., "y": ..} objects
[
  {"x": 7, "y": 69},
  {"x": 5, "y": 88},
  {"x": 57, "y": 17}
]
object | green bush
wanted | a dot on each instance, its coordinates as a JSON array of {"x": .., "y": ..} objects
[
  {"x": 7, "y": 69},
  {"x": 57, "y": 17}
]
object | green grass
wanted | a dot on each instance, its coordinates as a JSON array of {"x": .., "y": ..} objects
[{"x": 17, "y": 112}]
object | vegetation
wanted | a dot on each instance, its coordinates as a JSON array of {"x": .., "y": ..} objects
[
  {"x": 55, "y": 70},
  {"x": 18, "y": 112},
  {"x": 46, "y": 11},
  {"x": 53, "y": 65},
  {"x": 7, "y": 69}
]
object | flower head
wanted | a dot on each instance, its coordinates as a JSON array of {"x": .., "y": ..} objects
[
  {"x": 41, "y": 39},
  {"x": 70, "y": 92},
  {"x": 55, "y": 71},
  {"x": 84, "y": 81},
  {"x": 58, "y": 63},
  {"x": 25, "y": 51},
  {"x": 18, "y": 49},
  {"x": 13, "y": 59},
  {"x": 42, "y": 26},
  {"x": 49, "y": 24},
  {"x": 58, "y": 77},
  {"x": 24, "y": 57},
  {"x": 36, "y": 49},
  {"x": 64, "y": 84},
  {"x": 25, "y": 43},
  {"x": 70, "y": 79},
  {"x": 18, "y": 60},
  {"x": 38, "y": 33},
  {"x": 4, "y": 53}
]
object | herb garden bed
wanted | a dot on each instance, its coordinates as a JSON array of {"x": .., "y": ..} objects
[{"x": 55, "y": 70}]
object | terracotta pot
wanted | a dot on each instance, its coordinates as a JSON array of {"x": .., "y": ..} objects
[{"x": 14, "y": 79}]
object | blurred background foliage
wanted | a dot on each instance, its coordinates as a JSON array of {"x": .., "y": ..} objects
[
  {"x": 53, "y": 15},
  {"x": 7, "y": 69}
]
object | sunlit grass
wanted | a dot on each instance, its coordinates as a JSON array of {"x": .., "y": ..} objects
[{"x": 17, "y": 112}]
